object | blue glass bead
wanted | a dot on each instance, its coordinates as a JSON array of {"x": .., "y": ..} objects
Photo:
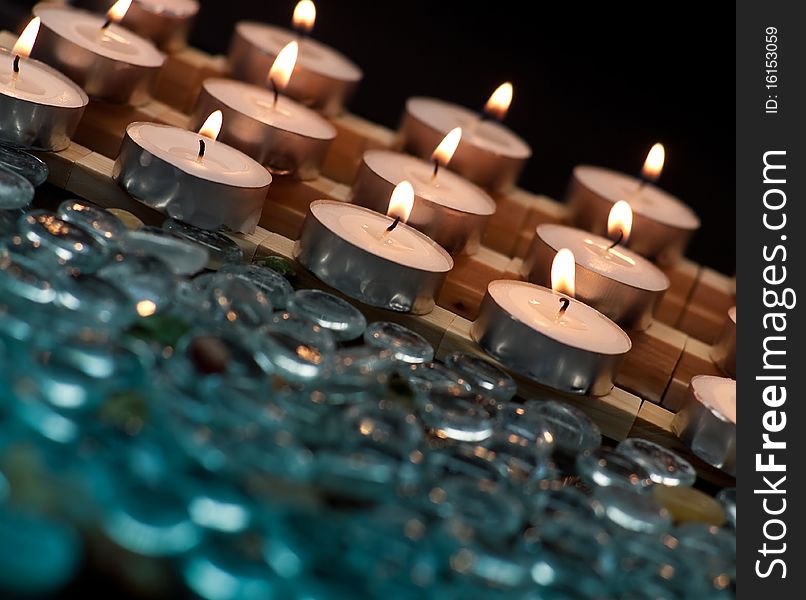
[
  {"x": 468, "y": 461},
  {"x": 582, "y": 544},
  {"x": 383, "y": 424},
  {"x": 38, "y": 556},
  {"x": 232, "y": 300},
  {"x": 151, "y": 521},
  {"x": 523, "y": 460},
  {"x": 150, "y": 283},
  {"x": 727, "y": 498},
  {"x": 434, "y": 377},
  {"x": 25, "y": 164},
  {"x": 296, "y": 348},
  {"x": 664, "y": 466},
  {"x": 181, "y": 256},
  {"x": 526, "y": 428},
  {"x": 605, "y": 468},
  {"x": 462, "y": 417},
  {"x": 221, "y": 249},
  {"x": 360, "y": 473},
  {"x": 92, "y": 218},
  {"x": 713, "y": 549},
  {"x": 15, "y": 190},
  {"x": 330, "y": 312},
  {"x": 572, "y": 430},
  {"x": 565, "y": 502},
  {"x": 9, "y": 220},
  {"x": 217, "y": 505},
  {"x": 270, "y": 282},
  {"x": 55, "y": 242},
  {"x": 482, "y": 375},
  {"x": 359, "y": 374},
  {"x": 92, "y": 303},
  {"x": 406, "y": 345},
  {"x": 632, "y": 511},
  {"x": 486, "y": 508}
]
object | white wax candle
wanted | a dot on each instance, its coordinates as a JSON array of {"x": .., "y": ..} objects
[
  {"x": 221, "y": 163},
  {"x": 313, "y": 55},
  {"x": 717, "y": 393},
  {"x": 593, "y": 252},
  {"x": 487, "y": 135},
  {"x": 39, "y": 84},
  {"x": 366, "y": 229},
  {"x": 446, "y": 189},
  {"x": 579, "y": 326},
  {"x": 179, "y": 8},
  {"x": 647, "y": 200},
  {"x": 258, "y": 103},
  {"x": 86, "y": 30}
]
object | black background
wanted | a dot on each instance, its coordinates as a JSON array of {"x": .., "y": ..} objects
[{"x": 595, "y": 82}]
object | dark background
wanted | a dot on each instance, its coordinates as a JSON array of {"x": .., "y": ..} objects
[{"x": 595, "y": 82}]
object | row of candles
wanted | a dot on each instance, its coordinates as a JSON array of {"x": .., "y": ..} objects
[{"x": 392, "y": 245}]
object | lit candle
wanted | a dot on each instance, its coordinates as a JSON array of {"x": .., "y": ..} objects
[
  {"x": 283, "y": 135},
  {"x": 323, "y": 79},
  {"x": 707, "y": 421},
  {"x": 371, "y": 257},
  {"x": 548, "y": 336},
  {"x": 490, "y": 154},
  {"x": 39, "y": 107},
  {"x": 615, "y": 281},
  {"x": 447, "y": 208},
  {"x": 723, "y": 351},
  {"x": 110, "y": 62},
  {"x": 192, "y": 177},
  {"x": 663, "y": 224}
]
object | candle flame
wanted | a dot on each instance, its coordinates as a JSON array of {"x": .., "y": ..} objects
[
  {"x": 402, "y": 201},
  {"x": 146, "y": 308},
  {"x": 27, "y": 38},
  {"x": 444, "y": 152},
  {"x": 563, "y": 272},
  {"x": 620, "y": 221},
  {"x": 498, "y": 104},
  {"x": 280, "y": 72},
  {"x": 118, "y": 10},
  {"x": 304, "y": 16},
  {"x": 212, "y": 126},
  {"x": 653, "y": 165}
]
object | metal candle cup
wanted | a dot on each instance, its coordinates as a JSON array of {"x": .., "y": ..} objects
[
  {"x": 284, "y": 147},
  {"x": 707, "y": 421},
  {"x": 166, "y": 23},
  {"x": 662, "y": 224},
  {"x": 352, "y": 267},
  {"x": 489, "y": 154},
  {"x": 27, "y": 122},
  {"x": 323, "y": 79},
  {"x": 150, "y": 176},
  {"x": 456, "y": 228},
  {"x": 121, "y": 72},
  {"x": 618, "y": 283},
  {"x": 723, "y": 352},
  {"x": 534, "y": 353}
]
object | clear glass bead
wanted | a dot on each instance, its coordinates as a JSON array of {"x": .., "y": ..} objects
[
  {"x": 664, "y": 466},
  {"x": 24, "y": 164},
  {"x": 606, "y": 468},
  {"x": 92, "y": 218},
  {"x": 462, "y": 417},
  {"x": 15, "y": 190},
  {"x": 330, "y": 312},
  {"x": 181, "y": 256},
  {"x": 221, "y": 249},
  {"x": 270, "y": 282},
  {"x": 485, "y": 377},
  {"x": 572, "y": 430},
  {"x": 406, "y": 345},
  {"x": 297, "y": 349},
  {"x": 51, "y": 240},
  {"x": 632, "y": 511}
]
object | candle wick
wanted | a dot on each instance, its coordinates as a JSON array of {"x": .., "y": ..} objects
[
  {"x": 274, "y": 90},
  {"x": 16, "y": 64},
  {"x": 436, "y": 170},
  {"x": 106, "y": 24},
  {"x": 202, "y": 150},
  {"x": 565, "y": 302},
  {"x": 618, "y": 240},
  {"x": 394, "y": 224}
]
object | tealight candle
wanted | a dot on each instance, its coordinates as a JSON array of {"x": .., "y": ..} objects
[
  {"x": 323, "y": 79},
  {"x": 549, "y": 336},
  {"x": 192, "y": 177},
  {"x": 489, "y": 155},
  {"x": 164, "y": 22},
  {"x": 615, "y": 281},
  {"x": 663, "y": 224},
  {"x": 447, "y": 208},
  {"x": 110, "y": 62},
  {"x": 373, "y": 258},
  {"x": 39, "y": 107},
  {"x": 723, "y": 352},
  {"x": 283, "y": 135},
  {"x": 707, "y": 421}
]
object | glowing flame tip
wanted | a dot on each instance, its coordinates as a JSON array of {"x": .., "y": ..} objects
[
  {"x": 563, "y": 273},
  {"x": 653, "y": 165},
  {"x": 447, "y": 147},
  {"x": 25, "y": 42},
  {"x": 212, "y": 126},
  {"x": 498, "y": 104},
  {"x": 283, "y": 66},
  {"x": 304, "y": 16},
  {"x": 118, "y": 10},
  {"x": 402, "y": 201},
  {"x": 620, "y": 221}
]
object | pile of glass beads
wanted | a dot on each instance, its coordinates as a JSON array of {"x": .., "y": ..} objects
[{"x": 217, "y": 434}]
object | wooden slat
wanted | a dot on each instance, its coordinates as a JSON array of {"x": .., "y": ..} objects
[
  {"x": 695, "y": 360},
  {"x": 354, "y": 137},
  {"x": 180, "y": 78},
  {"x": 648, "y": 366}
]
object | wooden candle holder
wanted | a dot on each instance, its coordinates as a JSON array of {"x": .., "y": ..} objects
[{"x": 649, "y": 365}]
